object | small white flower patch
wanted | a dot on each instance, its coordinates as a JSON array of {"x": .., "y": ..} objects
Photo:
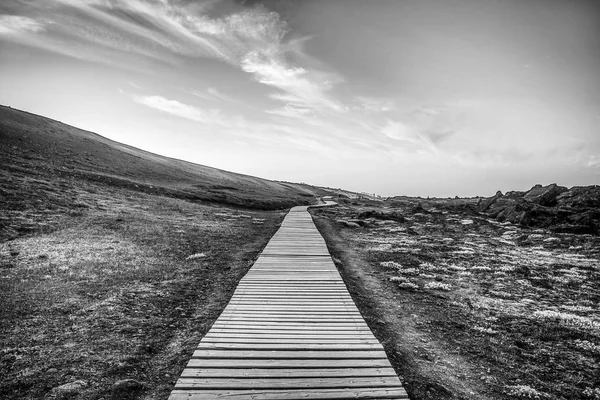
[
  {"x": 409, "y": 271},
  {"x": 438, "y": 286},
  {"x": 194, "y": 256},
  {"x": 481, "y": 329},
  {"x": 586, "y": 345},
  {"x": 454, "y": 267},
  {"x": 408, "y": 285},
  {"x": 466, "y": 221},
  {"x": 525, "y": 392},
  {"x": 390, "y": 264}
]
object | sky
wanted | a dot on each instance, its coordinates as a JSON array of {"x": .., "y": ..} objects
[{"x": 425, "y": 98}]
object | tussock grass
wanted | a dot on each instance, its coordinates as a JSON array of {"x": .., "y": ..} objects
[
  {"x": 122, "y": 290},
  {"x": 519, "y": 304}
]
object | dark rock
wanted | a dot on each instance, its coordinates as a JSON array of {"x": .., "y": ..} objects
[
  {"x": 544, "y": 195},
  {"x": 419, "y": 209},
  {"x": 575, "y": 210},
  {"x": 573, "y": 228},
  {"x": 358, "y": 222},
  {"x": 484, "y": 204},
  {"x": 70, "y": 388},
  {"x": 382, "y": 215},
  {"x": 126, "y": 388},
  {"x": 580, "y": 197},
  {"x": 348, "y": 224}
]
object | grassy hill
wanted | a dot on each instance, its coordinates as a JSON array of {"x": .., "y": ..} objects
[
  {"x": 45, "y": 164},
  {"x": 114, "y": 261},
  {"x": 40, "y": 146}
]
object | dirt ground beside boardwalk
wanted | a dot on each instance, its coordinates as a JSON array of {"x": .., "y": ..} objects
[{"x": 469, "y": 308}]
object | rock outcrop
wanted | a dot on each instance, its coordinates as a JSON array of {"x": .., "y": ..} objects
[{"x": 575, "y": 210}]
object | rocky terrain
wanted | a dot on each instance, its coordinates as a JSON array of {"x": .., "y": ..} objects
[
  {"x": 479, "y": 298},
  {"x": 574, "y": 210}
]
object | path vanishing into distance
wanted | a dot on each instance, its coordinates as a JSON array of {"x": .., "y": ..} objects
[{"x": 290, "y": 331}]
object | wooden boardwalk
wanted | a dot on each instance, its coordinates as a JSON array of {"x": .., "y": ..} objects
[{"x": 290, "y": 331}]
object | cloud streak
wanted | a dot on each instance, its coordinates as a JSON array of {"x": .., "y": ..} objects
[
  {"x": 16, "y": 24},
  {"x": 254, "y": 40},
  {"x": 181, "y": 110}
]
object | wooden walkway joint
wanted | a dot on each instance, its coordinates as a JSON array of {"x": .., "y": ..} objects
[{"x": 290, "y": 331}]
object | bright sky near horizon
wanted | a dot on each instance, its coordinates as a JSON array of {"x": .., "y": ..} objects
[{"x": 430, "y": 98}]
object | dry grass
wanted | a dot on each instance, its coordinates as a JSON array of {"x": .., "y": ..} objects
[
  {"x": 118, "y": 291},
  {"x": 519, "y": 305}
]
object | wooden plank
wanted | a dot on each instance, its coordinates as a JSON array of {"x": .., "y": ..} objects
[
  {"x": 292, "y": 355},
  {"x": 286, "y": 373},
  {"x": 288, "y": 383},
  {"x": 297, "y": 394},
  {"x": 230, "y": 333},
  {"x": 285, "y": 363},
  {"x": 246, "y": 313},
  {"x": 341, "y": 305},
  {"x": 282, "y": 329},
  {"x": 293, "y": 325},
  {"x": 293, "y": 312},
  {"x": 308, "y": 321},
  {"x": 322, "y": 305},
  {"x": 264, "y": 332},
  {"x": 290, "y": 318},
  {"x": 288, "y": 346},
  {"x": 288, "y": 340},
  {"x": 332, "y": 301},
  {"x": 263, "y": 288},
  {"x": 271, "y": 308},
  {"x": 258, "y": 293}
]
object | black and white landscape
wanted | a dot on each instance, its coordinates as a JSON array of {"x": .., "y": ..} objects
[{"x": 151, "y": 149}]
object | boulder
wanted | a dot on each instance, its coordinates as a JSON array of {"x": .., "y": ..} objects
[
  {"x": 126, "y": 389},
  {"x": 348, "y": 224},
  {"x": 69, "y": 389},
  {"x": 381, "y": 215},
  {"x": 575, "y": 210},
  {"x": 544, "y": 195},
  {"x": 580, "y": 197},
  {"x": 484, "y": 204}
]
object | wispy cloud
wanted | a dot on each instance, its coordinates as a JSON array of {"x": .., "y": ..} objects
[
  {"x": 292, "y": 112},
  {"x": 213, "y": 94},
  {"x": 17, "y": 24},
  {"x": 301, "y": 86},
  {"x": 376, "y": 105},
  {"x": 252, "y": 39},
  {"x": 182, "y": 110}
]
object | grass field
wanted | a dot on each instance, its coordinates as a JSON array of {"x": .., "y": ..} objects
[
  {"x": 471, "y": 308},
  {"x": 122, "y": 287}
]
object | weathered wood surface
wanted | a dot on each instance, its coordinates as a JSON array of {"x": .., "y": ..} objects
[{"x": 290, "y": 331}]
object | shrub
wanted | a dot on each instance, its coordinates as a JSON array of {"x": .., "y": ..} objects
[
  {"x": 569, "y": 320},
  {"x": 408, "y": 286},
  {"x": 390, "y": 264},
  {"x": 525, "y": 392}
]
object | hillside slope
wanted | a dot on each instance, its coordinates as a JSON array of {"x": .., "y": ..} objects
[
  {"x": 37, "y": 146},
  {"x": 50, "y": 171}
]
